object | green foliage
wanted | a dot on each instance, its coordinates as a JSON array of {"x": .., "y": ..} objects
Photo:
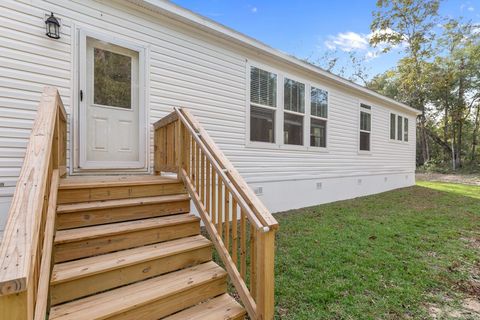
[
  {"x": 439, "y": 74},
  {"x": 379, "y": 257}
]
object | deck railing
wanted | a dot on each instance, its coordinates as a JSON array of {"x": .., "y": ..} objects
[
  {"x": 26, "y": 249},
  {"x": 240, "y": 226}
]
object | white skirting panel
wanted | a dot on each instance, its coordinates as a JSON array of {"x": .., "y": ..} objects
[
  {"x": 287, "y": 195},
  {"x": 280, "y": 196}
]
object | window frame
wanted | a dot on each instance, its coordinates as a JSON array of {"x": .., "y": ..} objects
[
  {"x": 369, "y": 111},
  {"x": 258, "y": 105},
  {"x": 280, "y": 111},
  {"x": 314, "y": 85},
  {"x": 404, "y": 117},
  {"x": 296, "y": 113}
]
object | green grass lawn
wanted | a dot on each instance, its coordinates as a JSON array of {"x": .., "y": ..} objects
[{"x": 386, "y": 256}]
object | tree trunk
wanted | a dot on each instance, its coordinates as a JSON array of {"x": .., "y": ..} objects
[
  {"x": 473, "y": 157},
  {"x": 460, "y": 111}
]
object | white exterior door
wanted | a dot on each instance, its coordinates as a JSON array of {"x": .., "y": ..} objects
[{"x": 112, "y": 129}]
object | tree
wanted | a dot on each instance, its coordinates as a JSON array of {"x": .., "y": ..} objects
[{"x": 410, "y": 24}]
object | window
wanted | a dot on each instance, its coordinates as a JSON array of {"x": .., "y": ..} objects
[
  {"x": 318, "y": 120},
  {"x": 293, "y": 129},
  {"x": 112, "y": 79},
  {"x": 294, "y": 107},
  {"x": 319, "y": 102},
  {"x": 294, "y": 96},
  {"x": 263, "y": 103},
  {"x": 393, "y": 130},
  {"x": 400, "y": 128},
  {"x": 365, "y": 127},
  {"x": 262, "y": 124},
  {"x": 318, "y": 133},
  {"x": 405, "y": 128}
]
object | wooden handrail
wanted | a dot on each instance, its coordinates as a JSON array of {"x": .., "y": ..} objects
[
  {"x": 41, "y": 304},
  {"x": 235, "y": 219},
  {"x": 22, "y": 249}
]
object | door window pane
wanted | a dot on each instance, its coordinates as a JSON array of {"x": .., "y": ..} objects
[
  {"x": 365, "y": 141},
  {"x": 318, "y": 133},
  {"x": 112, "y": 79},
  {"x": 293, "y": 129},
  {"x": 262, "y": 124},
  {"x": 294, "y": 96}
]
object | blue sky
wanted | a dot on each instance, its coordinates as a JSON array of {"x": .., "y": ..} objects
[{"x": 309, "y": 28}]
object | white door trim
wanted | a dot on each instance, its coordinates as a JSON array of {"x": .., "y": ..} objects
[{"x": 143, "y": 144}]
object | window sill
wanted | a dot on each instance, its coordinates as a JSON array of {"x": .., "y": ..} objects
[
  {"x": 398, "y": 141},
  {"x": 290, "y": 147},
  {"x": 364, "y": 153}
]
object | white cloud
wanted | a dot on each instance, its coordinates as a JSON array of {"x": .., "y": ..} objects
[
  {"x": 347, "y": 41},
  {"x": 370, "y": 55},
  {"x": 471, "y": 9},
  {"x": 353, "y": 41},
  {"x": 254, "y": 9}
]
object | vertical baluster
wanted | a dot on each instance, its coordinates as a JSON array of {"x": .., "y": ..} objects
[
  {"x": 220, "y": 207},
  {"x": 202, "y": 179},
  {"x": 214, "y": 191},
  {"x": 253, "y": 262},
  {"x": 186, "y": 159},
  {"x": 208, "y": 187},
  {"x": 226, "y": 212},
  {"x": 197, "y": 167},
  {"x": 234, "y": 232},
  {"x": 243, "y": 239},
  {"x": 192, "y": 164}
]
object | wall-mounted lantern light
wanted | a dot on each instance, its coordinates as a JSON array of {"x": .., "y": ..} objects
[{"x": 52, "y": 27}]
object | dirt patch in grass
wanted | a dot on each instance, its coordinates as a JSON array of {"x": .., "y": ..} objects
[{"x": 469, "y": 305}]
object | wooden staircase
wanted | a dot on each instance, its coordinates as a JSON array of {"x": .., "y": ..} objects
[{"x": 127, "y": 248}]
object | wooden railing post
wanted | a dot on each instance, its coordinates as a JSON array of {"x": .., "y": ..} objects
[{"x": 265, "y": 274}]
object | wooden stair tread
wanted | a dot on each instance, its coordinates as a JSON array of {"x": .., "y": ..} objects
[
  {"x": 82, "y": 182},
  {"x": 220, "y": 308},
  {"x": 85, "y": 233},
  {"x": 110, "y": 204},
  {"x": 68, "y": 271},
  {"x": 117, "y": 301}
]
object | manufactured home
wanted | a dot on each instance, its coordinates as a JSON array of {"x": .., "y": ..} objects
[{"x": 126, "y": 124}]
